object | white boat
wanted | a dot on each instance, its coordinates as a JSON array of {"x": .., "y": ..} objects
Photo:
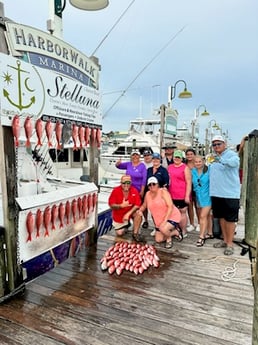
[{"x": 143, "y": 134}]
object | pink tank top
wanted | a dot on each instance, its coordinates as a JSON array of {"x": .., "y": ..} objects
[
  {"x": 158, "y": 209},
  {"x": 177, "y": 182}
]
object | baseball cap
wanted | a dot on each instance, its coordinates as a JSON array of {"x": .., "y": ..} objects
[
  {"x": 147, "y": 153},
  {"x": 152, "y": 179},
  {"x": 218, "y": 138},
  {"x": 178, "y": 153},
  {"x": 135, "y": 152},
  {"x": 126, "y": 178},
  {"x": 169, "y": 146},
  {"x": 156, "y": 155}
]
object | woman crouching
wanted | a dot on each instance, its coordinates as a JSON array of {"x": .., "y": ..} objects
[{"x": 165, "y": 215}]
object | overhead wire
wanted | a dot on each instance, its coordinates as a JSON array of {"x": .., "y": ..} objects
[
  {"x": 142, "y": 70},
  {"x": 111, "y": 29}
]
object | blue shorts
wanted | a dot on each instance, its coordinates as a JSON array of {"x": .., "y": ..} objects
[{"x": 175, "y": 224}]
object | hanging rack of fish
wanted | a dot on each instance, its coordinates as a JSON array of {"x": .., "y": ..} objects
[
  {"x": 131, "y": 257},
  {"x": 47, "y": 217}
]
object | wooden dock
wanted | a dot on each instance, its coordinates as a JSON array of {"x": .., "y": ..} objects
[{"x": 197, "y": 296}]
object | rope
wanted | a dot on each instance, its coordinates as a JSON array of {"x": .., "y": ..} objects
[{"x": 229, "y": 272}]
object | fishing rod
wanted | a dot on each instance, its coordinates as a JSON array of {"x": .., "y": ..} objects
[{"x": 143, "y": 69}]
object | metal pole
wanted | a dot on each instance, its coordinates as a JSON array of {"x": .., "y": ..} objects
[
  {"x": 162, "y": 124},
  {"x": 206, "y": 141}
]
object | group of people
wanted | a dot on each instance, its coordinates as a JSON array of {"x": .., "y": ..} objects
[{"x": 171, "y": 187}]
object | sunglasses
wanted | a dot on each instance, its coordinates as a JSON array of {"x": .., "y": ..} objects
[
  {"x": 126, "y": 182},
  {"x": 152, "y": 184},
  {"x": 178, "y": 157},
  {"x": 199, "y": 182},
  {"x": 216, "y": 144}
]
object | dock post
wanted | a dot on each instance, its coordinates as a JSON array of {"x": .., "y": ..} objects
[{"x": 251, "y": 220}]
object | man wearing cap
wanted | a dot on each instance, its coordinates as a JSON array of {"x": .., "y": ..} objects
[
  {"x": 225, "y": 191},
  {"x": 124, "y": 201},
  {"x": 167, "y": 159},
  {"x": 147, "y": 158},
  {"x": 136, "y": 169}
]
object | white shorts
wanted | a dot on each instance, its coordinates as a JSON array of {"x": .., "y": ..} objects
[{"x": 118, "y": 226}]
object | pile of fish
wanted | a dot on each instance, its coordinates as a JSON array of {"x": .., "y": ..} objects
[{"x": 133, "y": 257}]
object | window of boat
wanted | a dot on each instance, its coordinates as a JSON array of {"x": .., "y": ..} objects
[
  {"x": 77, "y": 156},
  {"x": 59, "y": 156},
  {"x": 120, "y": 151}
]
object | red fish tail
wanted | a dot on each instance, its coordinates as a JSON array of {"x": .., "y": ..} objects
[{"x": 29, "y": 237}]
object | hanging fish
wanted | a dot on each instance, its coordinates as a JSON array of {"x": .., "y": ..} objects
[
  {"x": 58, "y": 130},
  {"x": 47, "y": 220},
  {"x": 28, "y": 130},
  {"x": 98, "y": 137},
  {"x": 39, "y": 221},
  {"x": 49, "y": 132},
  {"x": 90, "y": 202},
  {"x": 54, "y": 215},
  {"x": 30, "y": 225},
  {"x": 87, "y": 136},
  {"x": 81, "y": 136},
  {"x": 66, "y": 133},
  {"x": 94, "y": 200},
  {"x": 67, "y": 211},
  {"x": 16, "y": 129},
  {"x": 74, "y": 209},
  {"x": 61, "y": 214},
  {"x": 79, "y": 204},
  {"x": 84, "y": 206},
  {"x": 39, "y": 131},
  {"x": 75, "y": 136}
]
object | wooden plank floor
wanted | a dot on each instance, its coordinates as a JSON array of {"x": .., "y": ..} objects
[{"x": 187, "y": 300}]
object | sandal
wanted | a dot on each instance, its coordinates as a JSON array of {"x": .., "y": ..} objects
[
  {"x": 169, "y": 244},
  {"x": 137, "y": 237},
  {"x": 145, "y": 225},
  {"x": 229, "y": 251},
  {"x": 180, "y": 236},
  {"x": 209, "y": 236},
  {"x": 200, "y": 242}
]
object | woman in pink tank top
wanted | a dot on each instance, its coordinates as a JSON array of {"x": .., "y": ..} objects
[
  {"x": 180, "y": 186},
  {"x": 165, "y": 215}
]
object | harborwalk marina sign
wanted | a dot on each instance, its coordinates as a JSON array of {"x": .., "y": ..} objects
[{"x": 47, "y": 77}]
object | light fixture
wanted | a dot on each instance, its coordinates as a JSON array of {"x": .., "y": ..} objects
[
  {"x": 183, "y": 94},
  {"x": 205, "y": 113},
  {"x": 89, "y": 5}
]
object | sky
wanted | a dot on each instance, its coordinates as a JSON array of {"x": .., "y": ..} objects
[{"x": 148, "y": 45}]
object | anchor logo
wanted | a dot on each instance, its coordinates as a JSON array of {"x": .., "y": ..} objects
[{"x": 8, "y": 79}]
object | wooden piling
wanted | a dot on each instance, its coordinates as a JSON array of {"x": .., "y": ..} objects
[{"x": 251, "y": 219}]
